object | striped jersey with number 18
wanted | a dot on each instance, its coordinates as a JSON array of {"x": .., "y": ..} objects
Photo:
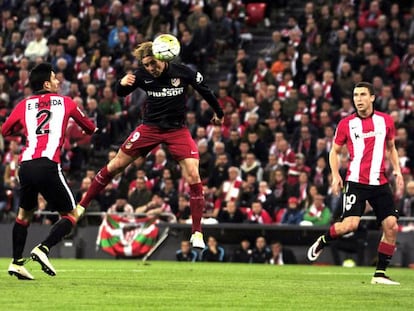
[
  {"x": 44, "y": 118},
  {"x": 366, "y": 140}
]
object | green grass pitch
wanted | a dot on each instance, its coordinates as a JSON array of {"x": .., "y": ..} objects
[{"x": 83, "y": 284}]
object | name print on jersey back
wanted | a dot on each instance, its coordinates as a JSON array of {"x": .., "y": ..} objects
[{"x": 44, "y": 104}]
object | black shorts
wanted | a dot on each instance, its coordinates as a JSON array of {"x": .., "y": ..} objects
[
  {"x": 45, "y": 177},
  {"x": 379, "y": 197}
]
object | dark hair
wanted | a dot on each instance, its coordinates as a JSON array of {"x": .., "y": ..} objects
[
  {"x": 39, "y": 75},
  {"x": 367, "y": 85}
]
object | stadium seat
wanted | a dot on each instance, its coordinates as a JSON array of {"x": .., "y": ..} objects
[{"x": 255, "y": 13}]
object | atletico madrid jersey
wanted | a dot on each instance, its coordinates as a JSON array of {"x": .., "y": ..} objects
[
  {"x": 366, "y": 140},
  {"x": 165, "y": 105},
  {"x": 43, "y": 118}
]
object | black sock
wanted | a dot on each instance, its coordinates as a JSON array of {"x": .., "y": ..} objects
[
  {"x": 61, "y": 229},
  {"x": 19, "y": 240},
  {"x": 382, "y": 264}
]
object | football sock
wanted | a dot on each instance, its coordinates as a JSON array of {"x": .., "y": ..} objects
[
  {"x": 385, "y": 252},
  {"x": 19, "y": 238},
  {"x": 19, "y": 262},
  {"x": 98, "y": 184},
  {"x": 197, "y": 204},
  {"x": 328, "y": 237},
  {"x": 61, "y": 229}
]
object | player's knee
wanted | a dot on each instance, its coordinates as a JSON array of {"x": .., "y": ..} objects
[
  {"x": 391, "y": 228},
  {"x": 350, "y": 226},
  {"x": 193, "y": 176}
]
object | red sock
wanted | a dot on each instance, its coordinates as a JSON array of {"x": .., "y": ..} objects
[
  {"x": 385, "y": 248},
  {"x": 98, "y": 184},
  {"x": 197, "y": 204}
]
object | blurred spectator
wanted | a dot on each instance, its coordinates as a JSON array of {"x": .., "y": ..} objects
[
  {"x": 231, "y": 214},
  {"x": 100, "y": 139},
  {"x": 108, "y": 196},
  {"x": 139, "y": 195},
  {"x": 204, "y": 39},
  {"x": 213, "y": 252},
  {"x": 271, "y": 51},
  {"x": 318, "y": 214},
  {"x": 188, "y": 50},
  {"x": 229, "y": 189},
  {"x": 260, "y": 73},
  {"x": 114, "y": 34},
  {"x": 170, "y": 194},
  {"x": 285, "y": 155},
  {"x": 37, "y": 47},
  {"x": 232, "y": 144},
  {"x": 269, "y": 168},
  {"x": 368, "y": 19},
  {"x": 156, "y": 206},
  {"x": 261, "y": 252},
  {"x": 94, "y": 205},
  {"x": 406, "y": 207},
  {"x": 265, "y": 195},
  {"x": 293, "y": 214},
  {"x": 306, "y": 144},
  {"x": 222, "y": 28},
  {"x": 206, "y": 159},
  {"x": 185, "y": 253},
  {"x": 319, "y": 174},
  {"x": 256, "y": 214},
  {"x": 257, "y": 146},
  {"x": 280, "y": 189},
  {"x": 29, "y": 30},
  {"x": 152, "y": 23},
  {"x": 183, "y": 213},
  {"x": 121, "y": 205},
  {"x": 251, "y": 166},
  {"x": 219, "y": 172},
  {"x": 281, "y": 255},
  {"x": 101, "y": 73},
  {"x": 295, "y": 170},
  {"x": 243, "y": 253}
]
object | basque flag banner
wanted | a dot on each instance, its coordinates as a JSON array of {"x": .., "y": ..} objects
[{"x": 127, "y": 237}]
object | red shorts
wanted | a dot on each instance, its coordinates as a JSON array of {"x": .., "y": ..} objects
[{"x": 146, "y": 137}]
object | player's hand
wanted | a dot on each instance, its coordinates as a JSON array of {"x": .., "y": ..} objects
[
  {"x": 216, "y": 120},
  {"x": 337, "y": 185},
  {"x": 128, "y": 79}
]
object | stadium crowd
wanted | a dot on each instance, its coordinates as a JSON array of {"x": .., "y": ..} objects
[{"x": 268, "y": 163}]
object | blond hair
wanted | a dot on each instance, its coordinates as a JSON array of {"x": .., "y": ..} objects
[{"x": 143, "y": 50}]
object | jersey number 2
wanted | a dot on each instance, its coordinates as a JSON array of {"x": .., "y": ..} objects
[{"x": 45, "y": 114}]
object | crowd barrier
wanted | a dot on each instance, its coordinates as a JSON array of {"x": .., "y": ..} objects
[{"x": 82, "y": 243}]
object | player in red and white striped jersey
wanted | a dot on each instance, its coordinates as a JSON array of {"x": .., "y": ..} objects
[
  {"x": 369, "y": 137},
  {"x": 43, "y": 118}
]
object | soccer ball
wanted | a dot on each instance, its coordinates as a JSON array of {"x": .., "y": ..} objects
[
  {"x": 166, "y": 47},
  {"x": 348, "y": 263}
]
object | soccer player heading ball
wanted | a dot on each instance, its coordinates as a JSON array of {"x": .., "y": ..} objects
[
  {"x": 163, "y": 122},
  {"x": 369, "y": 137}
]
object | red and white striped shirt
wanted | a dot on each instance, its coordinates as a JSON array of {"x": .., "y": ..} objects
[
  {"x": 44, "y": 119},
  {"x": 366, "y": 140}
]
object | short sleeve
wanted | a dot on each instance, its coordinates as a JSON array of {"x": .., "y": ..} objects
[{"x": 341, "y": 133}]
